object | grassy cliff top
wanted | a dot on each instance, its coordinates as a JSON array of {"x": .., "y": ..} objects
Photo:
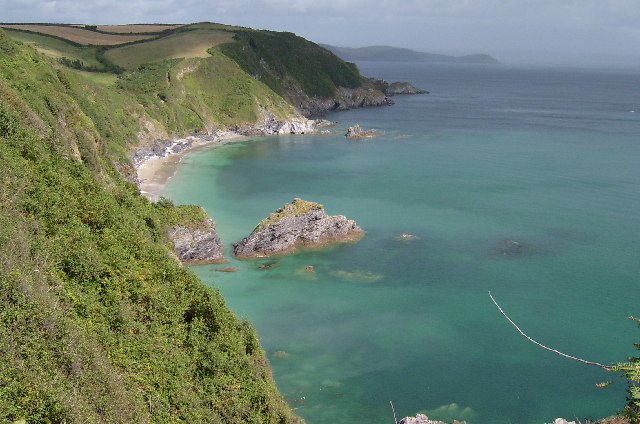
[{"x": 288, "y": 64}]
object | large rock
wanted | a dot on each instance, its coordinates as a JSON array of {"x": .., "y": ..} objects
[
  {"x": 299, "y": 223},
  {"x": 356, "y": 131},
  {"x": 196, "y": 242}
]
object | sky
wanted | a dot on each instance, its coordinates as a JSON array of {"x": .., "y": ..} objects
[{"x": 546, "y": 29}]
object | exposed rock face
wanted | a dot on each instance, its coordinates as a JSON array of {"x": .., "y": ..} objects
[
  {"x": 345, "y": 99},
  {"x": 271, "y": 126},
  {"x": 356, "y": 131},
  {"x": 562, "y": 421},
  {"x": 299, "y": 223},
  {"x": 197, "y": 244}
]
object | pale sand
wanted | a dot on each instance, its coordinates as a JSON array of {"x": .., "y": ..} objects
[{"x": 154, "y": 172}]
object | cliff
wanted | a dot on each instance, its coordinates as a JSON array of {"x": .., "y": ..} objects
[
  {"x": 98, "y": 320},
  {"x": 299, "y": 223}
]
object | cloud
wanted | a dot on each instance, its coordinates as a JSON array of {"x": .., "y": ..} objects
[{"x": 461, "y": 25}]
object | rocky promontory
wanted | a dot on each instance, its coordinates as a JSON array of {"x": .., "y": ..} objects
[
  {"x": 403, "y": 88},
  {"x": 194, "y": 236},
  {"x": 299, "y": 223}
]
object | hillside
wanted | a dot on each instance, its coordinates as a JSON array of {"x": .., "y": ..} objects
[
  {"x": 398, "y": 54},
  {"x": 309, "y": 77},
  {"x": 98, "y": 322}
]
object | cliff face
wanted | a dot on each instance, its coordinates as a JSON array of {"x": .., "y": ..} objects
[{"x": 299, "y": 223}]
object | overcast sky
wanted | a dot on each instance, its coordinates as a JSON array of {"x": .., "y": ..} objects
[{"x": 503, "y": 28}]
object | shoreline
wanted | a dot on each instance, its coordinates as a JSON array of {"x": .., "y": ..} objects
[
  {"x": 156, "y": 163},
  {"x": 153, "y": 172}
]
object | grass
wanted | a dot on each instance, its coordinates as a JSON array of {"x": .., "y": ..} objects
[
  {"x": 57, "y": 48},
  {"x": 101, "y": 78},
  {"x": 79, "y": 35},
  {"x": 200, "y": 94},
  {"x": 187, "y": 44}
]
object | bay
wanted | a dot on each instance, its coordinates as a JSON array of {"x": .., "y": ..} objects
[{"x": 520, "y": 181}]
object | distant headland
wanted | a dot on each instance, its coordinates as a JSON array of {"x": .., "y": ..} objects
[{"x": 399, "y": 54}]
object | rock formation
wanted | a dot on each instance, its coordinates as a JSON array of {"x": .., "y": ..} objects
[
  {"x": 196, "y": 242},
  {"x": 299, "y": 223},
  {"x": 356, "y": 131},
  {"x": 422, "y": 419}
]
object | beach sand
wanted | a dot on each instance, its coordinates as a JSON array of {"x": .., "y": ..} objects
[{"x": 154, "y": 172}]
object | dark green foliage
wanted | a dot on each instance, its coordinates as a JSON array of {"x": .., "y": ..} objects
[
  {"x": 280, "y": 59},
  {"x": 98, "y": 323},
  {"x": 631, "y": 370},
  {"x": 109, "y": 66}
]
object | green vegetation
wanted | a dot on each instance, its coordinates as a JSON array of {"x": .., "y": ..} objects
[
  {"x": 283, "y": 60},
  {"x": 195, "y": 95},
  {"x": 59, "y": 48},
  {"x": 98, "y": 323}
]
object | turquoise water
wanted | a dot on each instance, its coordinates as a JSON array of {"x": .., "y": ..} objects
[{"x": 546, "y": 157}]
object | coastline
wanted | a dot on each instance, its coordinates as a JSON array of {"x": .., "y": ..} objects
[
  {"x": 154, "y": 171},
  {"x": 156, "y": 163}
]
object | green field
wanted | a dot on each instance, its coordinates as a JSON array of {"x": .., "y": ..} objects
[
  {"x": 57, "y": 48},
  {"x": 188, "y": 44}
]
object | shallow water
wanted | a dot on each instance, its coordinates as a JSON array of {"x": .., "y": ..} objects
[{"x": 545, "y": 158}]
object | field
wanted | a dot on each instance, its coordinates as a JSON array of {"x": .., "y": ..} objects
[
  {"x": 187, "y": 44},
  {"x": 136, "y": 28},
  {"x": 79, "y": 35},
  {"x": 57, "y": 48}
]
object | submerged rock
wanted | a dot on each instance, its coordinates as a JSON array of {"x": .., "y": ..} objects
[
  {"x": 227, "y": 269},
  {"x": 299, "y": 223},
  {"x": 510, "y": 247},
  {"x": 407, "y": 237},
  {"x": 358, "y": 275},
  {"x": 268, "y": 265}
]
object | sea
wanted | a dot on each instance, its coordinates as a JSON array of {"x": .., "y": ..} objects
[{"x": 517, "y": 181}]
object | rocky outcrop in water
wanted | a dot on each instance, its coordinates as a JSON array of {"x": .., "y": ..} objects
[
  {"x": 196, "y": 242},
  {"x": 356, "y": 131},
  {"x": 422, "y": 419},
  {"x": 299, "y": 223}
]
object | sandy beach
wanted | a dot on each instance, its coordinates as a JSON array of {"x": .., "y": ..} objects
[{"x": 154, "y": 172}]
